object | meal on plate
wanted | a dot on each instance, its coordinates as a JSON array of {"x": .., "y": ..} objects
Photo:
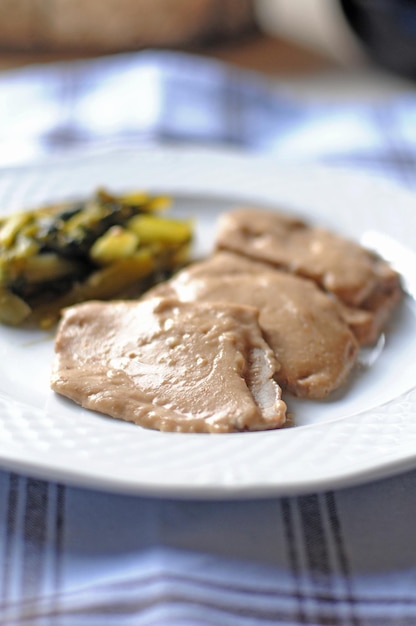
[
  {"x": 102, "y": 247},
  {"x": 279, "y": 306}
]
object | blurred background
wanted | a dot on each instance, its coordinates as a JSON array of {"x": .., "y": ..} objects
[
  {"x": 249, "y": 73},
  {"x": 347, "y": 32}
]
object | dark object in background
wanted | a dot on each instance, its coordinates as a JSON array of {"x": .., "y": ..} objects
[{"x": 387, "y": 30}]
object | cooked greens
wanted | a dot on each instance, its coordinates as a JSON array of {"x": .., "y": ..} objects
[{"x": 104, "y": 247}]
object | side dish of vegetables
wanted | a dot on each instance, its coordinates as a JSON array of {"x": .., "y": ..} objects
[{"x": 103, "y": 247}]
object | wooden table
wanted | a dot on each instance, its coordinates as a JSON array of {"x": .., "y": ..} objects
[{"x": 257, "y": 52}]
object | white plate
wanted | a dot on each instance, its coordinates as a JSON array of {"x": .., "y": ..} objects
[{"x": 367, "y": 432}]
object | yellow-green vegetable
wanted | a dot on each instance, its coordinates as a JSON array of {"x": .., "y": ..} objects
[
  {"x": 103, "y": 247},
  {"x": 116, "y": 243},
  {"x": 153, "y": 229}
]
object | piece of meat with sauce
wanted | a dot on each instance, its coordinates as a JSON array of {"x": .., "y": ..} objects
[
  {"x": 169, "y": 365},
  {"x": 367, "y": 288},
  {"x": 314, "y": 346},
  {"x": 365, "y": 324}
]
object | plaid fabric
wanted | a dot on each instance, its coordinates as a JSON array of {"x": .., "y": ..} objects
[
  {"x": 73, "y": 557},
  {"x": 179, "y": 98}
]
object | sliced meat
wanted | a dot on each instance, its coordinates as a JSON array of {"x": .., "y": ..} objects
[
  {"x": 169, "y": 365},
  {"x": 223, "y": 263},
  {"x": 217, "y": 265},
  {"x": 365, "y": 284},
  {"x": 313, "y": 344}
]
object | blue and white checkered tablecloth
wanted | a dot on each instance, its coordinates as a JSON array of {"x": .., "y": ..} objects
[{"x": 73, "y": 557}]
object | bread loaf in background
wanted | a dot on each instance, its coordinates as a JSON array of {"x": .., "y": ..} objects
[{"x": 105, "y": 26}]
